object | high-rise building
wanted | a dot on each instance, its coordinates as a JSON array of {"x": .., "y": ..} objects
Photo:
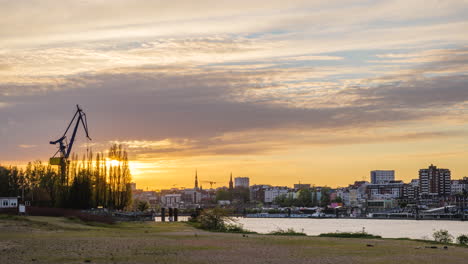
[
  {"x": 434, "y": 181},
  {"x": 382, "y": 176},
  {"x": 242, "y": 182},
  {"x": 196, "y": 180}
]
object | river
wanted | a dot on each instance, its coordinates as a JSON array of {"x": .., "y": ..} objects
[{"x": 421, "y": 229}]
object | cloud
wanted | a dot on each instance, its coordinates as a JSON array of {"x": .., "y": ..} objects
[
  {"x": 240, "y": 77},
  {"x": 25, "y": 146},
  {"x": 175, "y": 110}
]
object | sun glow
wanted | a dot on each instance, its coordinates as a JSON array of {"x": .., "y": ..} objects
[{"x": 113, "y": 163}]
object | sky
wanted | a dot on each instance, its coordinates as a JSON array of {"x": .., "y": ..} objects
[{"x": 282, "y": 92}]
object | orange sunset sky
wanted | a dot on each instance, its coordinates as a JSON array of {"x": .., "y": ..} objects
[{"x": 319, "y": 92}]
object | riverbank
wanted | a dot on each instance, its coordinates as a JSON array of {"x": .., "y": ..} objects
[{"x": 61, "y": 240}]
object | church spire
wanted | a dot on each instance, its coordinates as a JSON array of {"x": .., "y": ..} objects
[
  {"x": 196, "y": 180},
  {"x": 231, "y": 185}
]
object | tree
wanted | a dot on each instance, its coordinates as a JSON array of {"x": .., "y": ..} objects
[
  {"x": 142, "y": 206},
  {"x": 325, "y": 198},
  {"x": 241, "y": 194},
  {"x": 304, "y": 198},
  {"x": 80, "y": 192},
  {"x": 314, "y": 198},
  {"x": 223, "y": 194},
  {"x": 338, "y": 199},
  {"x": 285, "y": 200},
  {"x": 87, "y": 183}
]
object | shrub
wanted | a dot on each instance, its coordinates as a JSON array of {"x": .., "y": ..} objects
[
  {"x": 442, "y": 236},
  {"x": 349, "y": 235},
  {"x": 462, "y": 239},
  {"x": 213, "y": 219},
  {"x": 142, "y": 206},
  {"x": 217, "y": 219},
  {"x": 286, "y": 232}
]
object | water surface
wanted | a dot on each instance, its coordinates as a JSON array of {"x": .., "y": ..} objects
[{"x": 421, "y": 229}]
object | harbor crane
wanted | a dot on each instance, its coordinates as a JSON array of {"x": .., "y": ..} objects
[
  {"x": 211, "y": 183},
  {"x": 61, "y": 156}
]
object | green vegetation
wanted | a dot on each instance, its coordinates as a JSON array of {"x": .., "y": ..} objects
[
  {"x": 89, "y": 182},
  {"x": 462, "y": 239},
  {"x": 142, "y": 206},
  {"x": 305, "y": 198},
  {"x": 442, "y": 236},
  {"x": 217, "y": 220},
  {"x": 238, "y": 194},
  {"x": 349, "y": 235},
  {"x": 286, "y": 232}
]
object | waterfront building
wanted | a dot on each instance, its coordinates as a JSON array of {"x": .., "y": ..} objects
[
  {"x": 241, "y": 182},
  {"x": 411, "y": 191},
  {"x": 434, "y": 181},
  {"x": 273, "y": 192},
  {"x": 382, "y": 176},
  {"x": 459, "y": 186},
  {"x": 358, "y": 193},
  {"x": 257, "y": 192},
  {"x": 380, "y": 205},
  {"x": 389, "y": 190},
  {"x": 343, "y": 193}
]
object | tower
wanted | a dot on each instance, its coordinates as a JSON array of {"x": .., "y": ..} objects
[
  {"x": 231, "y": 184},
  {"x": 434, "y": 181},
  {"x": 196, "y": 180}
]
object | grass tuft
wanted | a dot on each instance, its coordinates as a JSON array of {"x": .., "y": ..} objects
[
  {"x": 349, "y": 235},
  {"x": 286, "y": 232}
]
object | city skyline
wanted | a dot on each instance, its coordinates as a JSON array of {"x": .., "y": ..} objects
[
  {"x": 310, "y": 91},
  {"x": 227, "y": 183}
]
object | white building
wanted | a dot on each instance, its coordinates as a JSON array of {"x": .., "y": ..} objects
[
  {"x": 273, "y": 192},
  {"x": 382, "y": 176},
  {"x": 459, "y": 186},
  {"x": 387, "y": 191},
  {"x": 171, "y": 200},
  {"x": 192, "y": 196},
  {"x": 242, "y": 182},
  {"x": 8, "y": 202},
  {"x": 343, "y": 193}
]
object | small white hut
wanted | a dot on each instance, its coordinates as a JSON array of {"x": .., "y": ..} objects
[{"x": 8, "y": 202}]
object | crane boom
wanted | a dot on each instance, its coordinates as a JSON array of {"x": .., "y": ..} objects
[{"x": 64, "y": 148}]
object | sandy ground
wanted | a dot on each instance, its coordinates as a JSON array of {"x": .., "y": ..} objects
[{"x": 59, "y": 240}]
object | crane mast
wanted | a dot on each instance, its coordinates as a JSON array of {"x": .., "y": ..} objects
[{"x": 65, "y": 148}]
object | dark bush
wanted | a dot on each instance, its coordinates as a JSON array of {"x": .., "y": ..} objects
[
  {"x": 462, "y": 239},
  {"x": 286, "y": 232},
  {"x": 349, "y": 235}
]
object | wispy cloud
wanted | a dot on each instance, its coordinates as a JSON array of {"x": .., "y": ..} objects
[
  {"x": 25, "y": 146},
  {"x": 186, "y": 79}
]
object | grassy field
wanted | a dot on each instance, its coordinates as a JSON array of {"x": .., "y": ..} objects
[{"x": 60, "y": 240}]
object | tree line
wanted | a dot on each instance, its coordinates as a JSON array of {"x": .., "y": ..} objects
[
  {"x": 306, "y": 197},
  {"x": 94, "y": 181}
]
